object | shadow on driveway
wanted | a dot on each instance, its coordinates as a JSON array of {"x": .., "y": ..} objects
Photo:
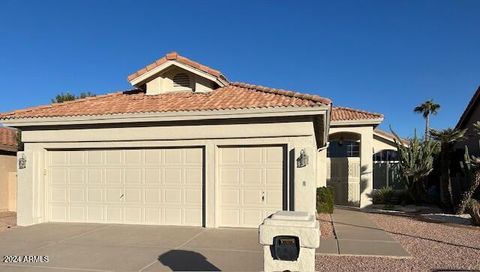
[{"x": 185, "y": 260}]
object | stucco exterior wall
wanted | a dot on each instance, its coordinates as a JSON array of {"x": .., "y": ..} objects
[
  {"x": 365, "y": 185},
  {"x": 473, "y": 138},
  {"x": 294, "y": 136},
  {"x": 380, "y": 144},
  {"x": 7, "y": 182}
]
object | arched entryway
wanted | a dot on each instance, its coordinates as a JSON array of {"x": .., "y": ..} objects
[{"x": 343, "y": 167}]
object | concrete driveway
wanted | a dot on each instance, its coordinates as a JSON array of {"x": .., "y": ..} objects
[{"x": 99, "y": 247}]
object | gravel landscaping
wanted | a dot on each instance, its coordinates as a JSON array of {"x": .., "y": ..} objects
[
  {"x": 326, "y": 226},
  {"x": 433, "y": 246}
]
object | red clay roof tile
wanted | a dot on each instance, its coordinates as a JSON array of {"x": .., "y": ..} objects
[
  {"x": 349, "y": 114},
  {"x": 8, "y": 139},
  {"x": 233, "y": 96},
  {"x": 177, "y": 57}
]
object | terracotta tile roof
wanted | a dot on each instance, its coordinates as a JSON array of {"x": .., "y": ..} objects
[
  {"x": 177, "y": 57},
  {"x": 233, "y": 96},
  {"x": 349, "y": 114},
  {"x": 8, "y": 139}
]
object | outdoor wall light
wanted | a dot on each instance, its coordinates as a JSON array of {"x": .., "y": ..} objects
[
  {"x": 22, "y": 162},
  {"x": 302, "y": 160}
]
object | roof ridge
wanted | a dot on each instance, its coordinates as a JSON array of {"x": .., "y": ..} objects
[
  {"x": 290, "y": 93},
  {"x": 175, "y": 56},
  {"x": 357, "y": 110}
]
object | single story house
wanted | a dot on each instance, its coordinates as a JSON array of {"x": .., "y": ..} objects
[
  {"x": 8, "y": 169},
  {"x": 470, "y": 116},
  {"x": 186, "y": 146}
]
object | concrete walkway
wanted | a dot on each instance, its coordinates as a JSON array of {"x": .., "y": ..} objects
[{"x": 358, "y": 235}]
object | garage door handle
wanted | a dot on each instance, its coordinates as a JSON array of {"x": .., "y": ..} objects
[
  {"x": 263, "y": 196},
  {"x": 121, "y": 196}
]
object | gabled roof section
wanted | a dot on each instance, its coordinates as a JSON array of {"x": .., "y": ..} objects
[
  {"x": 8, "y": 139},
  {"x": 462, "y": 122},
  {"x": 174, "y": 56},
  {"x": 236, "y": 96},
  {"x": 344, "y": 114},
  {"x": 389, "y": 136}
]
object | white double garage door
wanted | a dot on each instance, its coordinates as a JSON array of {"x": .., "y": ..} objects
[{"x": 164, "y": 186}]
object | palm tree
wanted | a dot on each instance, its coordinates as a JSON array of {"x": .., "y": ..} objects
[
  {"x": 447, "y": 139},
  {"x": 426, "y": 108}
]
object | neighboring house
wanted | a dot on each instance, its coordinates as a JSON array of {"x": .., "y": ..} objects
[
  {"x": 185, "y": 147},
  {"x": 468, "y": 118},
  {"x": 8, "y": 169}
]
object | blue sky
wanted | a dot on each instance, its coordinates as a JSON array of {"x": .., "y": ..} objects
[{"x": 380, "y": 56}]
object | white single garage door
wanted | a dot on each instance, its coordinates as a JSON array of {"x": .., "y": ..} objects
[
  {"x": 251, "y": 183},
  {"x": 132, "y": 186}
]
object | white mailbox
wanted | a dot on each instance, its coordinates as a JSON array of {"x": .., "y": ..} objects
[{"x": 289, "y": 241}]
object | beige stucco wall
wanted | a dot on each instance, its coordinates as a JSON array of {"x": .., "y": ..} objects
[
  {"x": 294, "y": 135},
  {"x": 163, "y": 82},
  {"x": 380, "y": 143},
  {"x": 7, "y": 182},
  {"x": 473, "y": 138},
  {"x": 365, "y": 185}
]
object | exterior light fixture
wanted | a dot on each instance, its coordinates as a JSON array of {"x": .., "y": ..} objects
[
  {"x": 302, "y": 160},
  {"x": 22, "y": 162}
]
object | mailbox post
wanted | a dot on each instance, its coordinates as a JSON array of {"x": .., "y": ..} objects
[{"x": 289, "y": 240}]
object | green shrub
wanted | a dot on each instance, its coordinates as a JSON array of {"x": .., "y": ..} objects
[
  {"x": 325, "y": 200},
  {"x": 383, "y": 196}
]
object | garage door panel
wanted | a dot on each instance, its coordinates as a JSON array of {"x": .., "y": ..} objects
[
  {"x": 251, "y": 184},
  {"x": 229, "y": 176},
  {"x": 173, "y": 216},
  {"x": 153, "y": 196},
  {"x": 252, "y": 155},
  {"x": 95, "y": 195},
  {"x": 77, "y": 194},
  {"x": 114, "y": 214},
  {"x": 59, "y": 158},
  {"x": 94, "y": 157},
  {"x": 95, "y": 214},
  {"x": 114, "y": 195},
  {"x": 193, "y": 176},
  {"x": 113, "y": 157},
  {"x": 133, "y": 215},
  {"x": 230, "y": 217},
  {"x": 173, "y": 196},
  {"x": 77, "y": 214},
  {"x": 133, "y": 157},
  {"x": 76, "y": 158},
  {"x": 76, "y": 176},
  {"x": 133, "y": 196},
  {"x": 230, "y": 197},
  {"x": 114, "y": 176},
  {"x": 173, "y": 176},
  {"x": 252, "y": 197},
  {"x": 138, "y": 186},
  {"x": 58, "y": 195},
  {"x": 173, "y": 156},
  {"x": 94, "y": 176},
  {"x": 193, "y": 196},
  {"x": 59, "y": 176},
  {"x": 193, "y": 216},
  {"x": 133, "y": 176}
]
